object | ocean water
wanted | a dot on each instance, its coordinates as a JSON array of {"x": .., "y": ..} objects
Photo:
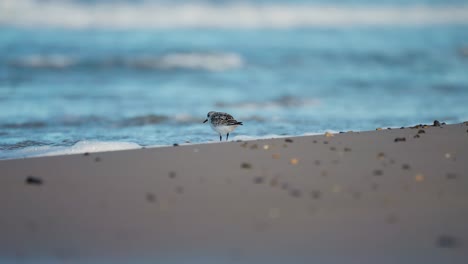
[{"x": 94, "y": 75}]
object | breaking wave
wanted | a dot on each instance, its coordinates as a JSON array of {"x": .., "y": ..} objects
[
  {"x": 147, "y": 14},
  {"x": 39, "y": 150},
  {"x": 209, "y": 61}
]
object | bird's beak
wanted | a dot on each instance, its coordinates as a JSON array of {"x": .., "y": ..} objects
[{"x": 205, "y": 121}]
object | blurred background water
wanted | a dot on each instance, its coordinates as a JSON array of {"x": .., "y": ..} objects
[{"x": 136, "y": 73}]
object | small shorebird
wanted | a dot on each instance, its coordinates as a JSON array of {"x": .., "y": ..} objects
[{"x": 222, "y": 123}]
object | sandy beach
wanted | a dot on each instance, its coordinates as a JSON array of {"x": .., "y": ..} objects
[{"x": 388, "y": 196}]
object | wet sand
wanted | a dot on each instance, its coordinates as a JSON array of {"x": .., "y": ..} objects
[{"x": 389, "y": 196}]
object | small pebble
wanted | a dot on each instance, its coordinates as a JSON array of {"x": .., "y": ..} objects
[
  {"x": 31, "y": 180},
  {"x": 150, "y": 197},
  {"x": 347, "y": 149},
  {"x": 380, "y": 156},
  {"x": 451, "y": 176},
  {"x": 421, "y": 131},
  {"x": 175, "y": 145},
  {"x": 436, "y": 123},
  {"x": 246, "y": 165},
  {"x": 315, "y": 194},
  {"x": 378, "y": 172},
  {"x": 274, "y": 182},
  {"x": 295, "y": 193},
  {"x": 400, "y": 139},
  {"x": 179, "y": 189},
  {"x": 447, "y": 241},
  {"x": 416, "y": 136},
  {"x": 336, "y": 188},
  {"x": 356, "y": 195},
  {"x": 405, "y": 166},
  {"x": 419, "y": 177},
  {"x": 315, "y": 141},
  {"x": 294, "y": 161},
  {"x": 86, "y": 154},
  {"x": 288, "y": 140},
  {"x": 258, "y": 180},
  {"x": 172, "y": 174}
]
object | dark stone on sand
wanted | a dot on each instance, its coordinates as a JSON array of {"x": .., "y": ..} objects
[
  {"x": 447, "y": 241},
  {"x": 172, "y": 174},
  {"x": 246, "y": 165},
  {"x": 288, "y": 140},
  {"x": 378, "y": 172},
  {"x": 32, "y": 180},
  {"x": 315, "y": 141},
  {"x": 150, "y": 197},
  {"x": 258, "y": 180},
  {"x": 421, "y": 131},
  {"x": 436, "y": 123},
  {"x": 325, "y": 142},
  {"x": 405, "y": 166},
  {"x": 416, "y": 136},
  {"x": 179, "y": 189},
  {"x": 315, "y": 194},
  {"x": 402, "y": 127},
  {"x": 451, "y": 176},
  {"x": 295, "y": 193},
  {"x": 400, "y": 139},
  {"x": 86, "y": 154},
  {"x": 346, "y": 149},
  {"x": 175, "y": 145}
]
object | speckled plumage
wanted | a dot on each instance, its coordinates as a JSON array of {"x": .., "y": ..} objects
[{"x": 223, "y": 123}]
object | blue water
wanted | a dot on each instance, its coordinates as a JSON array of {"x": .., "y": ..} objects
[{"x": 60, "y": 84}]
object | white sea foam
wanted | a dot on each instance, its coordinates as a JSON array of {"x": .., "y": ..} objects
[
  {"x": 147, "y": 14},
  {"x": 48, "y": 61},
  {"x": 209, "y": 61},
  {"x": 79, "y": 148},
  {"x": 204, "y": 61}
]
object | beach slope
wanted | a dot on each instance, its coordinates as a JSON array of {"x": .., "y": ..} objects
[{"x": 389, "y": 196}]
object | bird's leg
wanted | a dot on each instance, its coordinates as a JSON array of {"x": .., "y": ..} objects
[
  {"x": 227, "y": 136},
  {"x": 220, "y": 137}
]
